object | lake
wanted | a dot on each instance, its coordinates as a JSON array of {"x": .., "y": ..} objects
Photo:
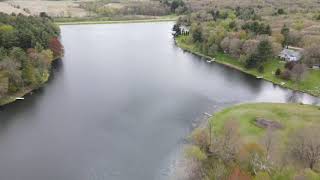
[{"x": 119, "y": 106}]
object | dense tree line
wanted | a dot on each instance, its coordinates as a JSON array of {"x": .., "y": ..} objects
[
  {"x": 28, "y": 44},
  {"x": 232, "y": 31},
  {"x": 116, "y": 9}
]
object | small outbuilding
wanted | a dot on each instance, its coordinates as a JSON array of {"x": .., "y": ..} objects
[
  {"x": 184, "y": 29},
  {"x": 291, "y": 54}
]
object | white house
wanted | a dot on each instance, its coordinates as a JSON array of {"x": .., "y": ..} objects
[
  {"x": 184, "y": 29},
  {"x": 291, "y": 54}
]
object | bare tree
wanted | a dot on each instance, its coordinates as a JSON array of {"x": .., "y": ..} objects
[
  {"x": 304, "y": 146},
  {"x": 235, "y": 47},
  {"x": 250, "y": 46},
  {"x": 225, "y": 43},
  {"x": 311, "y": 55},
  {"x": 269, "y": 142},
  {"x": 226, "y": 146},
  {"x": 298, "y": 72}
]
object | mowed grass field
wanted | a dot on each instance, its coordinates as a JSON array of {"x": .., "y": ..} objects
[{"x": 291, "y": 116}]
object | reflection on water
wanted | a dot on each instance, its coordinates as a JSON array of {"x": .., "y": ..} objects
[{"x": 119, "y": 105}]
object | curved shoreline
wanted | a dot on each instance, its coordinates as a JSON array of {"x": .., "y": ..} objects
[
  {"x": 115, "y": 21},
  {"x": 180, "y": 45},
  {"x": 27, "y": 90}
]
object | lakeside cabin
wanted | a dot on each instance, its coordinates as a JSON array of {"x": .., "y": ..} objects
[{"x": 291, "y": 54}]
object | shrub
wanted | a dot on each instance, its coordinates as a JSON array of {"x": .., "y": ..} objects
[
  {"x": 261, "y": 69},
  {"x": 286, "y": 75},
  {"x": 289, "y": 65},
  {"x": 200, "y": 138},
  {"x": 195, "y": 153},
  {"x": 252, "y": 61},
  {"x": 262, "y": 176},
  {"x": 278, "y": 72},
  {"x": 281, "y": 11},
  {"x": 238, "y": 174}
]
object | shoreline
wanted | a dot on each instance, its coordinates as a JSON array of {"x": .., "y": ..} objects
[
  {"x": 114, "y": 21},
  {"x": 184, "y": 48},
  {"x": 26, "y": 91}
]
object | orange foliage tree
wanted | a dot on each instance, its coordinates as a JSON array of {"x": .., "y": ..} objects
[{"x": 56, "y": 47}]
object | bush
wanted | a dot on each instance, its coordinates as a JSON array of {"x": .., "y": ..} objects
[
  {"x": 262, "y": 176},
  {"x": 286, "y": 75},
  {"x": 195, "y": 153},
  {"x": 281, "y": 11},
  {"x": 289, "y": 65},
  {"x": 252, "y": 61},
  {"x": 200, "y": 138},
  {"x": 278, "y": 72},
  {"x": 261, "y": 69}
]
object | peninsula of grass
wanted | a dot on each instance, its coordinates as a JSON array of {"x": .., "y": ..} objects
[
  {"x": 246, "y": 137},
  {"x": 310, "y": 84},
  {"x": 290, "y": 116}
]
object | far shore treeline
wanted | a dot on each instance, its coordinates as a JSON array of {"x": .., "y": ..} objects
[{"x": 28, "y": 45}]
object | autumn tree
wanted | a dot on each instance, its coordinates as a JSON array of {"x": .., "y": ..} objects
[{"x": 56, "y": 47}]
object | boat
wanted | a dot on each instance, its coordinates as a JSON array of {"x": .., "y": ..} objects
[
  {"x": 19, "y": 98},
  {"x": 259, "y": 77},
  {"x": 209, "y": 61}
]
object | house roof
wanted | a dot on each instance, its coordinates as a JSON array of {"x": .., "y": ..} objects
[
  {"x": 184, "y": 28},
  {"x": 287, "y": 53}
]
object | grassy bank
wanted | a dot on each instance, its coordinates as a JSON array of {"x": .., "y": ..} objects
[
  {"x": 310, "y": 84},
  {"x": 77, "y": 21},
  {"x": 291, "y": 116}
]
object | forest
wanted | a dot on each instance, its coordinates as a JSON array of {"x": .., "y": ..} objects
[{"x": 28, "y": 45}]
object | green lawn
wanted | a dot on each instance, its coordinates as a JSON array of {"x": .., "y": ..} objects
[
  {"x": 291, "y": 116},
  {"x": 310, "y": 84}
]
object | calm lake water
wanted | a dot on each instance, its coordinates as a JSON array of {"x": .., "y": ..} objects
[{"x": 119, "y": 106}]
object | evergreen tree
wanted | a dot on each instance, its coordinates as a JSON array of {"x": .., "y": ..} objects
[{"x": 285, "y": 31}]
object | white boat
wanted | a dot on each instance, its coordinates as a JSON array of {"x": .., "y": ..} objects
[
  {"x": 19, "y": 98},
  {"x": 259, "y": 77},
  {"x": 209, "y": 61}
]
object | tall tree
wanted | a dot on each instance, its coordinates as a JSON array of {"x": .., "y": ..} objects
[{"x": 285, "y": 31}]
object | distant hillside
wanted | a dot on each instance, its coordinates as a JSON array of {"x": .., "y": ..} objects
[{"x": 116, "y": 8}]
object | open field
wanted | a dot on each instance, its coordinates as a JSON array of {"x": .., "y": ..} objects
[
  {"x": 83, "y": 8},
  {"x": 63, "y": 8},
  {"x": 137, "y": 19}
]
